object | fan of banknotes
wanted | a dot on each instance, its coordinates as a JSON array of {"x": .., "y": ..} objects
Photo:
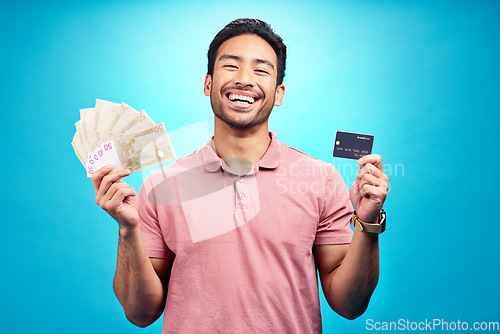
[{"x": 117, "y": 134}]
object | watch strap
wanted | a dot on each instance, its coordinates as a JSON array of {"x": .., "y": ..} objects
[{"x": 370, "y": 227}]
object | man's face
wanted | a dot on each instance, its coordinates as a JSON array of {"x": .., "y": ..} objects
[{"x": 243, "y": 88}]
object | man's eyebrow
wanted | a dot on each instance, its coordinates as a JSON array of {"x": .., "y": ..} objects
[
  {"x": 265, "y": 62},
  {"x": 238, "y": 58},
  {"x": 228, "y": 56}
]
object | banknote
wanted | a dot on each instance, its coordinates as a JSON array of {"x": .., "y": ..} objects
[
  {"x": 77, "y": 146},
  {"x": 87, "y": 116},
  {"x": 144, "y": 149},
  {"x": 80, "y": 140},
  {"x": 135, "y": 152},
  {"x": 107, "y": 111},
  {"x": 117, "y": 134},
  {"x": 140, "y": 122},
  {"x": 124, "y": 116},
  {"x": 90, "y": 119}
]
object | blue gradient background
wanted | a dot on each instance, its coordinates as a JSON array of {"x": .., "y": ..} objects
[{"x": 422, "y": 76}]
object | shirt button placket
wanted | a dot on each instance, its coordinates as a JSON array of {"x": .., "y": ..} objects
[{"x": 241, "y": 194}]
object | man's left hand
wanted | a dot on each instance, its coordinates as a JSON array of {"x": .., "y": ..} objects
[{"x": 369, "y": 190}]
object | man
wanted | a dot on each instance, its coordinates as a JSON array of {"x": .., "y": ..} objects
[{"x": 220, "y": 240}]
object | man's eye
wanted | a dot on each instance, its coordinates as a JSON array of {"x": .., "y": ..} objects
[
  {"x": 262, "y": 71},
  {"x": 230, "y": 66}
]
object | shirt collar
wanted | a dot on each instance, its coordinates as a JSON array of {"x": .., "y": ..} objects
[{"x": 270, "y": 160}]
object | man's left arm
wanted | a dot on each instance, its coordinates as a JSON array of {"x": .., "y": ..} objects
[{"x": 349, "y": 273}]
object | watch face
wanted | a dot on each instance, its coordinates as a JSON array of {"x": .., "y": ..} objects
[{"x": 382, "y": 216}]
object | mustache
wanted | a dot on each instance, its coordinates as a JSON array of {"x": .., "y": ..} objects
[{"x": 225, "y": 89}]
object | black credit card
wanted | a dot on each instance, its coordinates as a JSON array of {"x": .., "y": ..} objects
[{"x": 352, "y": 145}]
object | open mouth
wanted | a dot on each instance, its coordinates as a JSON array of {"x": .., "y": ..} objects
[{"x": 241, "y": 99}]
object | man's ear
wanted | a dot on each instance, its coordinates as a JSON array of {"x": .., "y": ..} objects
[
  {"x": 278, "y": 96},
  {"x": 207, "y": 86}
]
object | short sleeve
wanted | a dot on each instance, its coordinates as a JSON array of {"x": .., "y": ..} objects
[
  {"x": 334, "y": 225},
  {"x": 150, "y": 226}
]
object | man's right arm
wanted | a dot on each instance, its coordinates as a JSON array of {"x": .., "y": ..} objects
[{"x": 140, "y": 283}]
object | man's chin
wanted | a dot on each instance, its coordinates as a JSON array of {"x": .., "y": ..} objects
[{"x": 238, "y": 123}]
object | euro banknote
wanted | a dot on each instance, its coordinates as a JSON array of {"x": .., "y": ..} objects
[{"x": 117, "y": 134}]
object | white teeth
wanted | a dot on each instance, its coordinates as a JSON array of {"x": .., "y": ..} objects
[{"x": 248, "y": 99}]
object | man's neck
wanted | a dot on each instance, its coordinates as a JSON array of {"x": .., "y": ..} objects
[{"x": 249, "y": 144}]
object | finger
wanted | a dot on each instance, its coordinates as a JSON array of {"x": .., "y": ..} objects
[
  {"x": 114, "y": 188},
  {"x": 371, "y": 180},
  {"x": 97, "y": 176},
  {"x": 109, "y": 179},
  {"x": 373, "y": 192},
  {"x": 373, "y": 159},
  {"x": 118, "y": 198},
  {"x": 371, "y": 169}
]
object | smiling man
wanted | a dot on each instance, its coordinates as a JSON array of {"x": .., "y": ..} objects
[
  {"x": 220, "y": 241},
  {"x": 245, "y": 89}
]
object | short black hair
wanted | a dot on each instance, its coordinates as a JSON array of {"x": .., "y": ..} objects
[{"x": 250, "y": 26}]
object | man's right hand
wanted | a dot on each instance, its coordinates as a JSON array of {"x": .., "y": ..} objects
[{"x": 115, "y": 196}]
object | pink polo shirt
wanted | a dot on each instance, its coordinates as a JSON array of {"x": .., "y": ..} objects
[{"x": 243, "y": 243}]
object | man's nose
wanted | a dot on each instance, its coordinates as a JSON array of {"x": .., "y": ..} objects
[{"x": 245, "y": 77}]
